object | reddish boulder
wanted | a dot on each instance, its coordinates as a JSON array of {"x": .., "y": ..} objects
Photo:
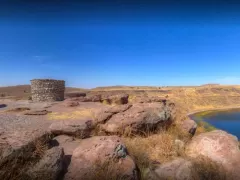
[
  {"x": 140, "y": 117},
  {"x": 101, "y": 157},
  {"x": 218, "y": 146},
  {"x": 106, "y": 113}
]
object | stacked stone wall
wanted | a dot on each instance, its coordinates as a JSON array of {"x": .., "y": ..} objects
[{"x": 47, "y": 90}]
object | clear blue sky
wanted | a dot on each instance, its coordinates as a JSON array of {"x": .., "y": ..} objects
[{"x": 91, "y": 45}]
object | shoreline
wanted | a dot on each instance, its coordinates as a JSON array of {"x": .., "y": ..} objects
[{"x": 214, "y": 109}]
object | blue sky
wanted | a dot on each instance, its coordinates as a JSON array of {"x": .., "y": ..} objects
[{"x": 122, "y": 46}]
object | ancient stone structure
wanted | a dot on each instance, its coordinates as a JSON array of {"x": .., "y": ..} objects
[{"x": 47, "y": 90}]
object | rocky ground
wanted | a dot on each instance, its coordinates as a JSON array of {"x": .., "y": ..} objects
[{"x": 101, "y": 135}]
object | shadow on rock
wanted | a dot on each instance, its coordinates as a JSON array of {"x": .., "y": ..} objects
[{"x": 3, "y": 105}]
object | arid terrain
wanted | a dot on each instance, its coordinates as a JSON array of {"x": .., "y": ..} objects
[{"x": 117, "y": 132}]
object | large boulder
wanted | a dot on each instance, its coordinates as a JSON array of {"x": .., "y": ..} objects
[
  {"x": 140, "y": 117},
  {"x": 81, "y": 128},
  {"x": 178, "y": 169},
  {"x": 49, "y": 167},
  {"x": 101, "y": 157},
  {"x": 218, "y": 146}
]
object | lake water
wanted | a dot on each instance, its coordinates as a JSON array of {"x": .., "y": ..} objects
[{"x": 228, "y": 120}]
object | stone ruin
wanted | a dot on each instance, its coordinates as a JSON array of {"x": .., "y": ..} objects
[{"x": 47, "y": 90}]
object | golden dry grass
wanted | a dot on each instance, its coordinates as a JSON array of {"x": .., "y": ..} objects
[
  {"x": 158, "y": 147},
  {"x": 205, "y": 168}
]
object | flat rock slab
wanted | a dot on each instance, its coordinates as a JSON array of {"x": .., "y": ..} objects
[
  {"x": 106, "y": 155},
  {"x": 37, "y": 112},
  {"x": 80, "y": 128},
  {"x": 218, "y": 146}
]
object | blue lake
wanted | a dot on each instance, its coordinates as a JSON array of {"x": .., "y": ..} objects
[{"x": 228, "y": 120}]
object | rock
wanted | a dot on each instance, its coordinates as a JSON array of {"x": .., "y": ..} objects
[
  {"x": 140, "y": 117},
  {"x": 61, "y": 139},
  {"x": 116, "y": 99},
  {"x": 178, "y": 169},
  {"x": 118, "y": 108},
  {"x": 218, "y": 146},
  {"x": 17, "y": 150},
  {"x": 49, "y": 167},
  {"x": 80, "y": 128},
  {"x": 19, "y": 109},
  {"x": 101, "y": 156},
  {"x": 189, "y": 126},
  {"x": 179, "y": 145},
  {"x": 105, "y": 114},
  {"x": 69, "y": 144},
  {"x": 37, "y": 112},
  {"x": 72, "y": 104}
]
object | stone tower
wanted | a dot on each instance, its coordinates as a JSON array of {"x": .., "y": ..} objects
[{"x": 47, "y": 90}]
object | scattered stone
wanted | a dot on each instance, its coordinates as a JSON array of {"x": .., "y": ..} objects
[
  {"x": 79, "y": 128},
  {"x": 178, "y": 169},
  {"x": 49, "y": 167},
  {"x": 72, "y": 104},
  {"x": 218, "y": 146},
  {"x": 37, "y": 112},
  {"x": 19, "y": 109},
  {"x": 99, "y": 152}
]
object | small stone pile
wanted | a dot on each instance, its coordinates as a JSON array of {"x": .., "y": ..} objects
[{"x": 47, "y": 90}]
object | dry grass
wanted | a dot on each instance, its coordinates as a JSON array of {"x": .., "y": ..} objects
[
  {"x": 155, "y": 148},
  {"x": 40, "y": 146},
  {"x": 204, "y": 168},
  {"x": 104, "y": 171},
  {"x": 14, "y": 165}
]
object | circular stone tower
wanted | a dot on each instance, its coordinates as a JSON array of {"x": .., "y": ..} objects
[{"x": 47, "y": 90}]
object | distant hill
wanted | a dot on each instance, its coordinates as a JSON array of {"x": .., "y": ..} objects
[{"x": 24, "y": 91}]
